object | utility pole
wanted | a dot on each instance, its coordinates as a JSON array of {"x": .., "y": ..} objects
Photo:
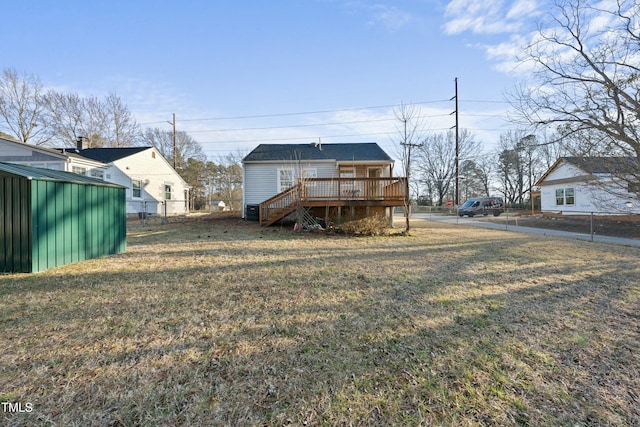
[
  {"x": 457, "y": 165},
  {"x": 175, "y": 151}
]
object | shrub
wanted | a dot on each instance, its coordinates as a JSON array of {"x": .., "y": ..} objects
[{"x": 374, "y": 225}]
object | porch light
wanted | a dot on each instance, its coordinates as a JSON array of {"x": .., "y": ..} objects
[{"x": 629, "y": 204}]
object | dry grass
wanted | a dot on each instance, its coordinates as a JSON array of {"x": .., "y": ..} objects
[{"x": 224, "y": 323}]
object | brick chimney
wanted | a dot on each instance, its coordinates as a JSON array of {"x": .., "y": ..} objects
[{"x": 81, "y": 144}]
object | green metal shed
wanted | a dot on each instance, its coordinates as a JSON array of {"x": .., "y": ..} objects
[{"x": 50, "y": 218}]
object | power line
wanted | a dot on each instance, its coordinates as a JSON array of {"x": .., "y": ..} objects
[
  {"x": 297, "y": 113},
  {"x": 300, "y": 113},
  {"x": 307, "y": 125}
]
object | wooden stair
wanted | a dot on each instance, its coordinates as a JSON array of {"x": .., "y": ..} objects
[{"x": 279, "y": 206}]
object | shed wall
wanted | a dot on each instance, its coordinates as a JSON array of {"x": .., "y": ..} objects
[
  {"x": 15, "y": 224},
  {"x": 72, "y": 222}
]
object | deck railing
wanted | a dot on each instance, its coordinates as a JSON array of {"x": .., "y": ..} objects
[
  {"x": 330, "y": 190},
  {"x": 319, "y": 189}
]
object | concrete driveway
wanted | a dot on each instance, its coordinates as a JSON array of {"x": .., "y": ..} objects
[{"x": 498, "y": 223}]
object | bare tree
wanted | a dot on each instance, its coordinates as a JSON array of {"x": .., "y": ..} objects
[
  {"x": 186, "y": 146},
  {"x": 475, "y": 178},
  {"x": 228, "y": 179},
  {"x": 410, "y": 130},
  {"x": 102, "y": 123},
  {"x": 520, "y": 165},
  {"x": 70, "y": 117},
  {"x": 586, "y": 79},
  {"x": 436, "y": 160},
  {"x": 122, "y": 128},
  {"x": 22, "y": 107}
]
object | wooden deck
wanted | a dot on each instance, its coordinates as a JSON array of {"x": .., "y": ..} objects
[{"x": 331, "y": 192}]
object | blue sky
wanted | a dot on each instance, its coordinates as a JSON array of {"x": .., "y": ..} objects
[{"x": 219, "y": 64}]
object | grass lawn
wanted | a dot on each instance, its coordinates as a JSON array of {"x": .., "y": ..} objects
[{"x": 221, "y": 322}]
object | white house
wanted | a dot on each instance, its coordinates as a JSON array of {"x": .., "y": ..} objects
[
  {"x": 153, "y": 186},
  {"x": 581, "y": 185},
  {"x": 47, "y": 158},
  {"x": 348, "y": 179}
]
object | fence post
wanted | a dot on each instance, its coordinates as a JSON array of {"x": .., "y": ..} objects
[
  {"x": 591, "y": 226},
  {"x": 164, "y": 218},
  {"x": 506, "y": 223}
]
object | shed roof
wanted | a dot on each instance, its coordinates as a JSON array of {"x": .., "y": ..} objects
[
  {"x": 363, "y": 151},
  {"x": 31, "y": 172}
]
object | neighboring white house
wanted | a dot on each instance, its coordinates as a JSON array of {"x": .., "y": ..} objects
[
  {"x": 47, "y": 158},
  {"x": 152, "y": 183},
  {"x": 581, "y": 185},
  {"x": 347, "y": 174}
]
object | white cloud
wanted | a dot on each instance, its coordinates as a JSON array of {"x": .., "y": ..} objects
[
  {"x": 378, "y": 13},
  {"x": 522, "y": 9},
  {"x": 488, "y": 16},
  {"x": 390, "y": 17}
]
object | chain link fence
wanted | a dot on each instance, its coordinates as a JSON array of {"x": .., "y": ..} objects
[
  {"x": 176, "y": 211},
  {"x": 602, "y": 223}
]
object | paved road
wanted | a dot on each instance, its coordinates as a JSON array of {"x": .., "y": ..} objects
[{"x": 485, "y": 222}]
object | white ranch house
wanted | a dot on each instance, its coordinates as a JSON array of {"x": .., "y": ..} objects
[
  {"x": 152, "y": 183},
  {"x": 582, "y": 185}
]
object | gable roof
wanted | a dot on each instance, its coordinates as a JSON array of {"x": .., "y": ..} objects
[
  {"x": 597, "y": 165},
  {"x": 37, "y": 148},
  {"x": 604, "y": 164},
  {"x": 364, "y": 151},
  {"x": 105, "y": 155},
  {"x": 31, "y": 172}
]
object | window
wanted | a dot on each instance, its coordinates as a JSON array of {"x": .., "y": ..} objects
[
  {"x": 309, "y": 173},
  {"x": 285, "y": 179},
  {"x": 569, "y": 198},
  {"x": 97, "y": 173},
  {"x": 167, "y": 192},
  {"x": 347, "y": 172},
  {"x": 78, "y": 170},
  {"x": 375, "y": 172},
  {"x": 136, "y": 188},
  {"x": 565, "y": 196}
]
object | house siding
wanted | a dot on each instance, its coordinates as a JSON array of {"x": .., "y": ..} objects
[
  {"x": 154, "y": 172},
  {"x": 590, "y": 196},
  {"x": 261, "y": 179}
]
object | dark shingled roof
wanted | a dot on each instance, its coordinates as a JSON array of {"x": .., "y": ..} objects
[
  {"x": 364, "y": 151},
  {"x": 105, "y": 155},
  {"x": 611, "y": 165},
  {"x": 31, "y": 172}
]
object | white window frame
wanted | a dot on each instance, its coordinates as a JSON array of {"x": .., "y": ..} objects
[
  {"x": 563, "y": 197},
  {"x": 79, "y": 170},
  {"x": 288, "y": 181},
  {"x": 285, "y": 184},
  {"x": 97, "y": 173},
  {"x": 133, "y": 188}
]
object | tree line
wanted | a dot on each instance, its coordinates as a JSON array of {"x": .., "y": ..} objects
[{"x": 51, "y": 118}]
